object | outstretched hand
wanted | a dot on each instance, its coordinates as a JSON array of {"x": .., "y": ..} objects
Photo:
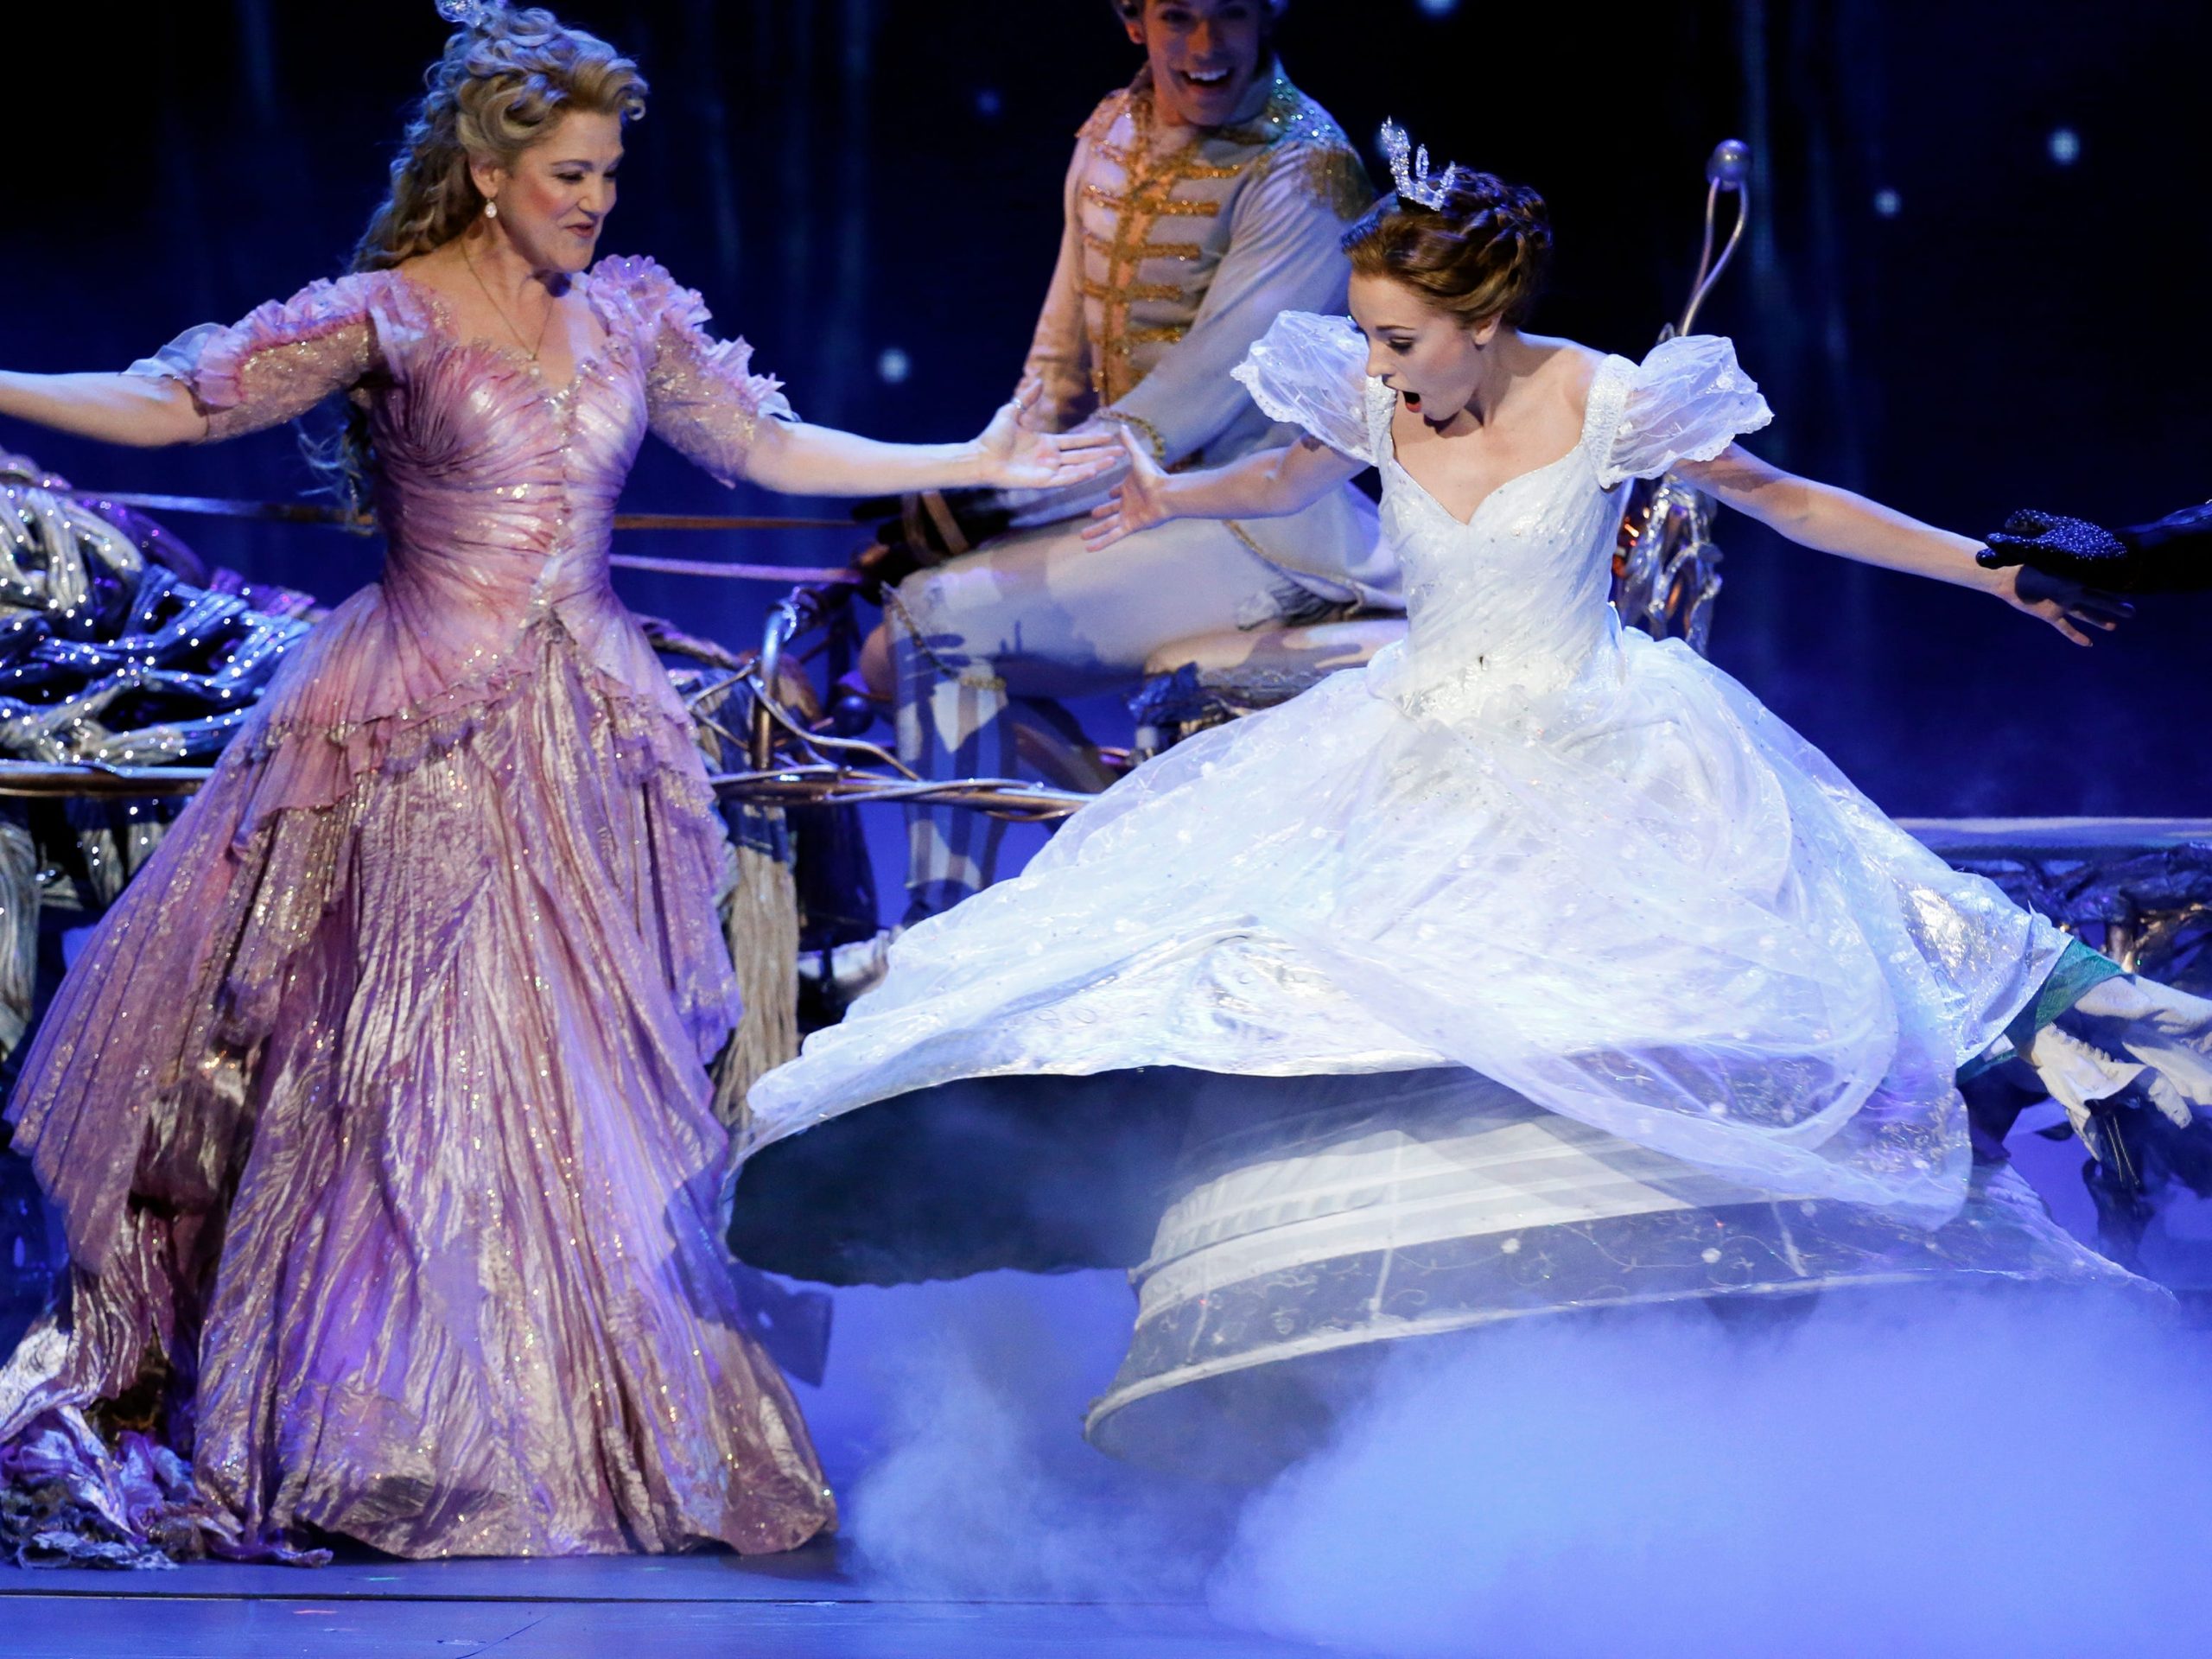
[
  {"x": 2068, "y": 605},
  {"x": 1014, "y": 457},
  {"x": 1141, "y": 503}
]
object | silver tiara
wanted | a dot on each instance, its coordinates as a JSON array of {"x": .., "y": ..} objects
[
  {"x": 470, "y": 13},
  {"x": 1416, "y": 183}
]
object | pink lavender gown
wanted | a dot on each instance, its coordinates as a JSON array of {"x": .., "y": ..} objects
[{"x": 378, "y": 1106}]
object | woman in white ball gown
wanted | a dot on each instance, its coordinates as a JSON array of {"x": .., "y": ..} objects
[{"x": 1529, "y": 843}]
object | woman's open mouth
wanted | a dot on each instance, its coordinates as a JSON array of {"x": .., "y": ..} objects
[{"x": 1413, "y": 398}]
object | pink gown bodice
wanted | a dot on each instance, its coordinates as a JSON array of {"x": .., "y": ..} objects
[{"x": 495, "y": 490}]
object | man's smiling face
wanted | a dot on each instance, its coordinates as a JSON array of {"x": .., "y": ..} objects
[{"x": 1205, "y": 56}]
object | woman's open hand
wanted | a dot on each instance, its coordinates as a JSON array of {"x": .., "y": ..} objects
[
  {"x": 1141, "y": 503},
  {"x": 1014, "y": 457},
  {"x": 2067, "y": 605}
]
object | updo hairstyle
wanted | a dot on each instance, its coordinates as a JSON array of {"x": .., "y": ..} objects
[
  {"x": 501, "y": 85},
  {"x": 1483, "y": 254}
]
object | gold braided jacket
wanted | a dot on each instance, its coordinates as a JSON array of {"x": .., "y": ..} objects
[{"x": 1179, "y": 247}]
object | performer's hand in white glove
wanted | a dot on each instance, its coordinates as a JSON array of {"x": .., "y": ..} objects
[
  {"x": 1141, "y": 503},
  {"x": 2130, "y": 1040},
  {"x": 1014, "y": 457},
  {"x": 2166, "y": 1031}
]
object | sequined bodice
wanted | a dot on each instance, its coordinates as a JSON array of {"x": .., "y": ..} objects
[
  {"x": 1517, "y": 595},
  {"x": 1512, "y": 603},
  {"x": 496, "y": 490}
]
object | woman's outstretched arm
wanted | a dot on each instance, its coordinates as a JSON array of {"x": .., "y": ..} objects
[
  {"x": 1832, "y": 520},
  {"x": 1267, "y": 484},
  {"x": 797, "y": 458},
  {"x": 141, "y": 410}
]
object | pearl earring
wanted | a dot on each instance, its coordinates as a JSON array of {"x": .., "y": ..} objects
[{"x": 491, "y": 210}]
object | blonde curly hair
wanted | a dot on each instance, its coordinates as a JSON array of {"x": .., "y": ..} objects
[{"x": 501, "y": 85}]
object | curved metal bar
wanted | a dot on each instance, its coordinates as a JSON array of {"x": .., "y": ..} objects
[
  {"x": 803, "y": 785},
  {"x": 35, "y": 780},
  {"x": 1004, "y": 798},
  {"x": 816, "y": 741},
  {"x": 309, "y": 512},
  {"x": 1704, "y": 257},
  {"x": 719, "y": 571},
  {"x": 1667, "y": 573},
  {"x": 1727, "y": 171},
  {"x": 783, "y": 625}
]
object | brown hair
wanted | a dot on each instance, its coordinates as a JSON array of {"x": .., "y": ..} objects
[
  {"x": 1130, "y": 10},
  {"x": 1482, "y": 254},
  {"x": 501, "y": 85}
]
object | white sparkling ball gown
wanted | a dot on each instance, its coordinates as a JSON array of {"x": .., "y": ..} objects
[{"x": 1530, "y": 842}]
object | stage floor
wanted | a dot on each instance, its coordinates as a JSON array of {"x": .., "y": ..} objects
[{"x": 806, "y": 1605}]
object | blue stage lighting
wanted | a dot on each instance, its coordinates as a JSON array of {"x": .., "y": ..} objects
[
  {"x": 893, "y": 365},
  {"x": 1887, "y": 202},
  {"x": 1439, "y": 7},
  {"x": 2065, "y": 146}
]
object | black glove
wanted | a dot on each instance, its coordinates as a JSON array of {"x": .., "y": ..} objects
[{"x": 2174, "y": 555}]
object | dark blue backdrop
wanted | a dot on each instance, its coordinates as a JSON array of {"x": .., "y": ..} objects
[{"x": 1951, "y": 307}]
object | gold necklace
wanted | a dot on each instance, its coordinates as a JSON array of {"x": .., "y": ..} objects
[{"x": 499, "y": 311}]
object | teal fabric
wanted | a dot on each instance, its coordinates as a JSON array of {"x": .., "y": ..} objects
[{"x": 2075, "y": 973}]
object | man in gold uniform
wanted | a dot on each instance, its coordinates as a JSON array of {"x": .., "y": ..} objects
[{"x": 1204, "y": 198}]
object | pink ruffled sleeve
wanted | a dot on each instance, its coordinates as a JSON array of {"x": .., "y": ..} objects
[
  {"x": 701, "y": 397},
  {"x": 278, "y": 364}
]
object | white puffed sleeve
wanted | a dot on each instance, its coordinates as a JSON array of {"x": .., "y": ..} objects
[
  {"x": 1687, "y": 400},
  {"x": 1312, "y": 370}
]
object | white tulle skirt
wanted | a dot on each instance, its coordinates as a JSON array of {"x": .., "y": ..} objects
[{"x": 1638, "y": 899}]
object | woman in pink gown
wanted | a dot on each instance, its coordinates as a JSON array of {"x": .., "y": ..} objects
[{"x": 377, "y": 1110}]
